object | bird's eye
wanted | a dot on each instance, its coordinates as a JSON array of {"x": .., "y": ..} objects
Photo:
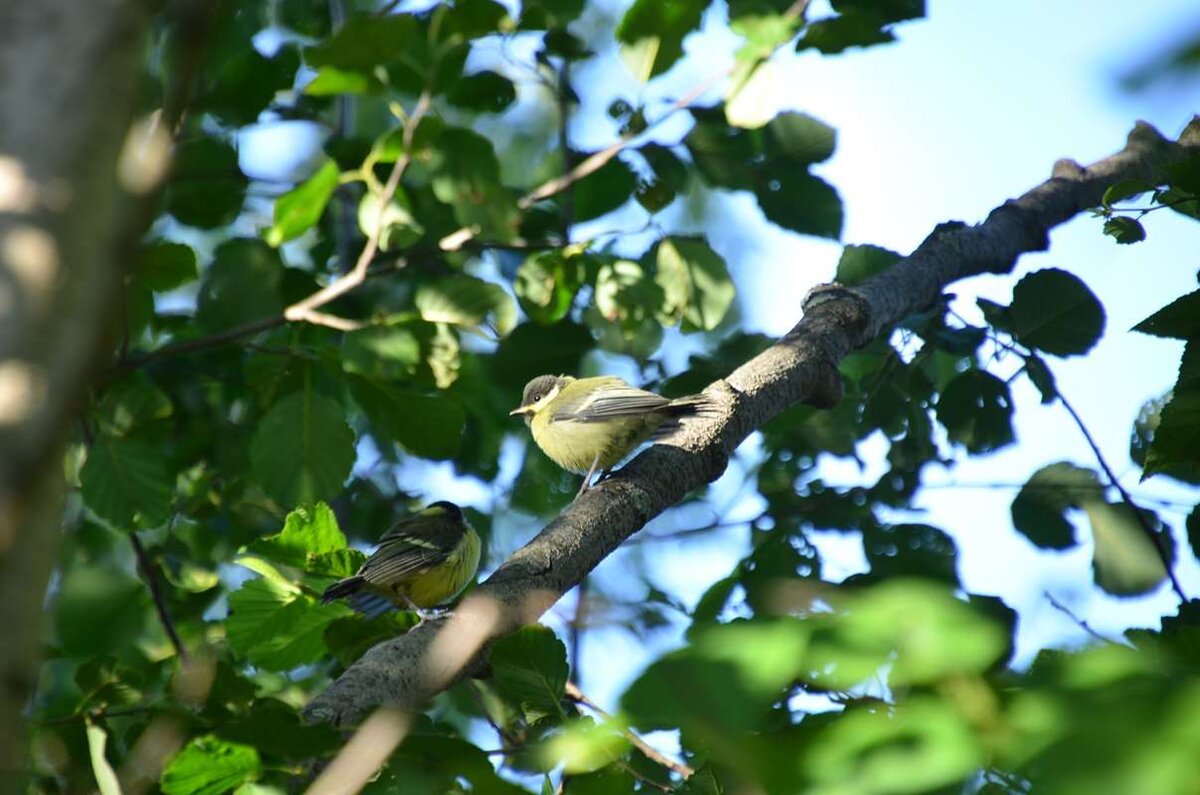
[{"x": 538, "y": 398}]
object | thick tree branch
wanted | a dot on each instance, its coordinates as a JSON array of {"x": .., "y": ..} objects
[{"x": 800, "y": 368}]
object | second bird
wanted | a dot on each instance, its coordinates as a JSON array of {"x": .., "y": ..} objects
[
  {"x": 423, "y": 561},
  {"x": 587, "y": 425}
]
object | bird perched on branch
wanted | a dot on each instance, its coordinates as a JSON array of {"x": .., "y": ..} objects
[
  {"x": 424, "y": 560},
  {"x": 586, "y": 425}
]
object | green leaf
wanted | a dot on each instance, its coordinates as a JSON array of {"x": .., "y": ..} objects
[
  {"x": 834, "y": 35},
  {"x": 533, "y": 350},
  {"x": 1125, "y": 560},
  {"x": 912, "y": 550},
  {"x": 397, "y": 226},
  {"x": 772, "y": 162},
  {"x": 696, "y": 285},
  {"x": 432, "y": 764},
  {"x": 302, "y": 450},
  {"x": 976, "y": 409},
  {"x": 242, "y": 285},
  {"x": 126, "y": 479},
  {"x": 1041, "y": 377},
  {"x": 210, "y": 766},
  {"x": 430, "y": 426},
  {"x": 106, "y": 777},
  {"x": 391, "y": 351},
  {"x": 466, "y": 175},
  {"x": 723, "y": 683},
  {"x": 368, "y": 40},
  {"x": 546, "y": 284},
  {"x": 1193, "y": 530},
  {"x": 207, "y": 187},
  {"x": 106, "y": 682},
  {"x": 245, "y": 84},
  {"x": 348, "y": 638},
  {"x": 529, "y": 669},
  {"x": 860, "y": 262},
  {"x": 924, "y": 744},
  {"x": 462, "y": 300},
  {"x": 584, "y": 746},
  {"x": 275, "y": 627},
  {"x": 274, "y": 728},
  {"x": 486, "y": 92},
  {"x": 1125, "y": 189},
  {"x": 545, "y": 14},
  {"x": 1054, "y": 311},
  {"x": 307, "y": 532},
  {"x": 918, "y": 627},
  {"x": 98, "y": 609},
  {"x": 603, "y": 191},
  {"x": 1179, "y": 319},
  {"x": 652, "y": 34},
  {"x": 1177, "y": 437},
  {"x": 163, "y": 266},
  {"x": 1125, "y": 230},
  {"x": 331, "y": 81},
  {"x": 1038, "y": 511},
  {"x": 299, "y": 209}
]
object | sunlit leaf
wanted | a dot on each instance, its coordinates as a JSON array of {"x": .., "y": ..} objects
[
  {"x": 210, "y": 766},
  {"x": 299, "y": 209}
]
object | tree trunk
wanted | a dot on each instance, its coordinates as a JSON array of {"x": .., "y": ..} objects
[{"x": 69, "y": 79}]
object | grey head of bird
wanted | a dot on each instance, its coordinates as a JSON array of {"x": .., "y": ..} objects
[{"x": 539, "y": 392}]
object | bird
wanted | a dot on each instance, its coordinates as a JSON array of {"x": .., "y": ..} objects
[
  {"x": 587, "y": 425},
  {"x": 423, "y": 561}
]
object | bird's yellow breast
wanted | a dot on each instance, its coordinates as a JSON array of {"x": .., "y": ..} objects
[
  {"x": 575, "y": 445},
  {"x": 443, "y": 582}
]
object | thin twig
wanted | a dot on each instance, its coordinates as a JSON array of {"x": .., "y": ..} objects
[
  {"x": 1154, "y": 537},
  {"x": 156, "y": 594},
  {"x": 647, "y": 750},
  {"x": 1060, "y": 607},
  {"x": 305, "y": 309}
]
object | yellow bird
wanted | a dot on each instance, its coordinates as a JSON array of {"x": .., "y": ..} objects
[
  {"x": 422, "y": 561},
  {"x": 587, "y": 425}
]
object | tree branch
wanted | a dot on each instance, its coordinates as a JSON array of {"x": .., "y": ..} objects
[{"x": 800, "y": 368}]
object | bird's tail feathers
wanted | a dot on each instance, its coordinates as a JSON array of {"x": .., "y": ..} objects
[
  {"x": 697, "y": 405},
  {"x": 342, "y": 588}
]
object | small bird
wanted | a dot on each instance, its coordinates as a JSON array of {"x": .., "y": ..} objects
[
  {"x": 587, "y": 425},
  {"x": 424, "y": 560}
]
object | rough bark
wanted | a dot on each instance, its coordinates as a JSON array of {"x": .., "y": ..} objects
[
  {"x": 801, "y": 367},
  {"x": 68, "y": 85}
]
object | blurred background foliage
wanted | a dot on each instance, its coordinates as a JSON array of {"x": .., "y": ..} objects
[{"x": 230, "y": 464}]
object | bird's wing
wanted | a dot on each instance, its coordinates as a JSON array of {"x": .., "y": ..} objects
[
  {"x": 614, "y": 400},
  {"x": 410, "y": 546}
]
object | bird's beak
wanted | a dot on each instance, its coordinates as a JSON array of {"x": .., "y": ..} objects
[{"x": 521, "y": 410}]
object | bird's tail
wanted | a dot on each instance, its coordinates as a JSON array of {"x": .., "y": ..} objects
[
  {"x": 342, "y": 588},
  {"x": 360, "y": 599},
  {"x": 687, "y": 406}
]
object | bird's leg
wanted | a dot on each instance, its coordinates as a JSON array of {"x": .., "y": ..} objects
[
  {"x": 422, "y": 614},
  {"x": 588, "y": 477}
]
